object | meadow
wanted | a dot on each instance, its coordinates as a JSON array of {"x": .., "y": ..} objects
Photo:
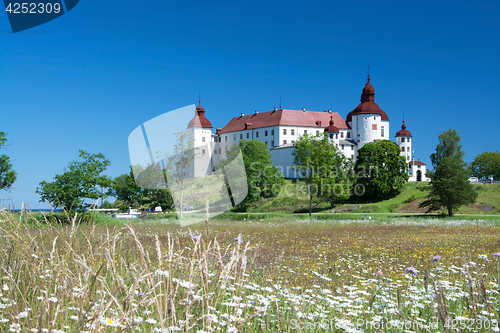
[{"x": 280, "y": 274}]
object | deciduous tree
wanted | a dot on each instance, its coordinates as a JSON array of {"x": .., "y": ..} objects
[
  {"x": 486, "y": 165},
  {"x": 81, "y": 180},
  {"x": 7, "y": 175},
  {"x": 381, "y": 169},
  {"x": 263, "y": 178},
  {"x": 326, "y": 171}
]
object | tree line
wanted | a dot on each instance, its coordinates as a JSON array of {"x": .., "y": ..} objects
[{"x": 378, "y": 173}]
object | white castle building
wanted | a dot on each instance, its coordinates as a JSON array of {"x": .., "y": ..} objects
[{"x": 280, "y": 128}]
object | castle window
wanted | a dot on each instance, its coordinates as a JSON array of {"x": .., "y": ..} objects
[
  {"x": 241, "y": 136},
  {"x": 317, "y": 132},
  {"x": 220, "y": 150},
  {"x": 248, "y": 135},
  {"x": 226, "y": 149},
  {"x": 265, "y": 133},
  {"x": 272, "y": 132},
  {"x": 225, "y": 138},
  {"x": 293, "y": 141},
  {"x": 418, "y": 166},
  {"x": 284, "y": 131},
  {"x": 234, "y": 137},
  {"x": 336, "y": 145},
  {"x": 336, "y": 136},
  {"x": 257, "y": 134},
  {"x": 402, "y": 139},
  {"x": 272, "y": 143},
  {"x": 203, "y": 151},
  {"x": 348, "y": 135},
  {"x": 215, "y": 151},
  {"x": 382, "y": 131},
  {"x": 408, "y": 140},
  {"x": 266, "y": 143},
  {"x": 342, "y": 147},
  {"x": 352, "y": 156},
  {"x": 403, "y": 149},
  {"x": 408, "y": 157},
  {"x": 331, "y": 135},
  {"x": 215, "y": 139},
  {"x": 202, "y": 139},
  {"x": 305, "y": 131},
  {"x": 341, "y": 134},
  {"x": 352, "y": 147},
  {"x": 292, "y": 132},
  {"x": 220, "y": 139},
  {"x": 284, "y": 142}
]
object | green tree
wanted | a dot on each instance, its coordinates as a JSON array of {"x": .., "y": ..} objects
[
  {"x": 381, "y": 169},
  {"x": 129, "y": 194},
  {"x": 81, "y": 180},
  {"x": 7, "y": 175},
  {"x": 449, "y": 146},
  {"x": 263, "y": 178},
  {"x": 486, "y": 165},
  {"x": 179, "y": 166},
  {"x": 325, "y": 170},
  {"x": 450, "y": 187}
]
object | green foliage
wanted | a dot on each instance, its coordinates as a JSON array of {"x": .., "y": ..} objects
[
  {"x": 381, "y": 169},
  {"x": 263, "y": 179},
  {"x": 80, "y": 181},
  {"x": 449, "y": 146},
  {"x": 450, "y": 187},
  {"x": 486, "y": 165},
  {"x": 7, "y": 175},
  {"x": 128, "y": 194},
  {"x": 326, "y": 171}
]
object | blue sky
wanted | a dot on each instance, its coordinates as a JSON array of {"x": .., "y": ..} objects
[{"x": 88, "y": 78}]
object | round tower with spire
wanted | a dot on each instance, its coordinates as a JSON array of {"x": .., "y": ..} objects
[
  {"x": 404, "y": 141},
  {"x": 368, "y": 121},
  {"x": 200, "y": 131}
]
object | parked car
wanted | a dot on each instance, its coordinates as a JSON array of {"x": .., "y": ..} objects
[{"x": 474, "y": 179}]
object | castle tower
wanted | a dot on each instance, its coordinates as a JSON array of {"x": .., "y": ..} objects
[
  {"x": 200, "y": 131},
  {"x": 403, "y": 140},
  {"x": 368, "y": 121}
]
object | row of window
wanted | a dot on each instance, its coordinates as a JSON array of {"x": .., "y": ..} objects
[
  {"x": 403, "y": 140},
  {"x": 341, "y": 135}
]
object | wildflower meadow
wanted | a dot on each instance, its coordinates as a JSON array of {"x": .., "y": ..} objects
[{"x": 276, "y": 275}]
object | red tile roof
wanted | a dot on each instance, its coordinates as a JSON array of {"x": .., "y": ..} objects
[
  {"x": 284, "y": 118},
  {"x": 403, "y": 131},
  {"x": 417, "y": 163},
  {"x": 199, "y": 119},
  {"x": 368, "y": 105}
]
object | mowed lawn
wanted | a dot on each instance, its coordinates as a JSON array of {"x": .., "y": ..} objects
[{"x": 276, "y": 275}]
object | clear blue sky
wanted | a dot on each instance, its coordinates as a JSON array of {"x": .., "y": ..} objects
[{"x": 88, "y": 78}]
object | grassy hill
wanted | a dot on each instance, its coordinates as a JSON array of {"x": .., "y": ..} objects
[{"x": 293, "y": 199}]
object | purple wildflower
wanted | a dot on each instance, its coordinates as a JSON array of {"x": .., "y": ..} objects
[
  {"x": 436, "y": 258},
  {"x": 141, "y": 294},
  {"x": 496, "y": 254},
  {"x": 196, "y": 237},
  {"x": 239, "y": 239},
  {"x": 379, "y": 273},
  {"x": 412, "y": 270}
]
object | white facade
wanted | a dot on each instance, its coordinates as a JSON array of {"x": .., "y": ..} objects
[{"x": 279, "y": 129}]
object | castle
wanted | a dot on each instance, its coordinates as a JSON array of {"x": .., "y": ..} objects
[{"x": 280, "y": 128}]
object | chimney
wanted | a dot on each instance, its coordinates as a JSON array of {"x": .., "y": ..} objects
[
  {"x": 242, "y": 114},
  {"x": 304, "y": 109},
  {"x": 275, "y": 109},
  {"x": 330, "y": 111},
  {"x": 256, "y": 111}
]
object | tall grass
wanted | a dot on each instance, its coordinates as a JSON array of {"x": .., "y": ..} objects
[{"x": 275, "y": 276}]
